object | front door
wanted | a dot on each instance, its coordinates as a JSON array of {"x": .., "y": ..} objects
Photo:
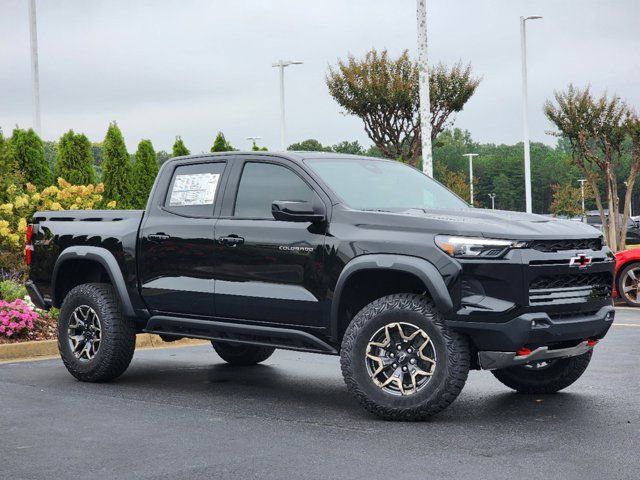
[
  {"x": 268, "y": 270},
  {"x": 177, "y": 242}
]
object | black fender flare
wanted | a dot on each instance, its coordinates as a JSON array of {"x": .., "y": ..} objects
[
  {"x": 105, "y": 258},
  {"x": 421, "y": 268}
]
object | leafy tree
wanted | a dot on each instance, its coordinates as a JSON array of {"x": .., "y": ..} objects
[
  {"x": 116, "y": 168},
  {"x": 567, "y": 200},
  {"x": 145, "y": 170},
  {"x": 27, "y": 150},
  {"x": 220, "y": 144},
  {"x": 179, "y": 148},
  {"x": 256, "y": 148},
  {"x": 352, "y": 148},
  {"x": 455, "y": 180},
  {"x": 50, "y": 152},
  {"x": 596, "y": 130},
  {"x": 74, "y": 161},
  {"x": 10, "y": 173},
  {"x": 384, "y": 93},
  {"x": 163, "y": 156},
  {"x": 309, "y": 145}
]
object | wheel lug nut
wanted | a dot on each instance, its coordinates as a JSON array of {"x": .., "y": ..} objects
[
  {"x": 395, "y": 365},
  {"x": 399, "y": 347},
  {"x": 409, "y": 350},
  {"x": 404, "y": 369},
  {"x": 392, "y": 355},
  {"x": 413, "y": 361}
]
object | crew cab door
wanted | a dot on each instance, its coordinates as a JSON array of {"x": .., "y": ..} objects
[
  {"x": 268, "y": 270},
  {"x": 177, "y": 245}
]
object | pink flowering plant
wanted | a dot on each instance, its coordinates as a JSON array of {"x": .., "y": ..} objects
[{"x": 16, "y": 318}]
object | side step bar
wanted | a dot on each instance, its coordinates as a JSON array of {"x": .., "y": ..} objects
[{"x": 286, "y": 338}]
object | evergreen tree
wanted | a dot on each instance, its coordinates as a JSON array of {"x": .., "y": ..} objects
[
  {"x": 27, "y": 150},
  {"x": 145, "y": 170},
  {"x": 10, "y": 174},
  {"x": 179, "y": 148},
  {"x": 116, "y": 168},
  {"x": 220, "y": 144},
  {"x": 74, "y": 160}
]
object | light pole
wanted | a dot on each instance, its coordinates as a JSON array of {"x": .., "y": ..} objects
[
  {"x": 423, "y": 82},
  {"x": 470, "y": 155},
  {"x": 35, "y": 76},
  {"x": 525, "y": 122},
  {"x": 626, "y": 184},
  {"x": 582, "y": 182},
  {"x": 281, "y": 64},
  {"x": 492, "y": 196}
]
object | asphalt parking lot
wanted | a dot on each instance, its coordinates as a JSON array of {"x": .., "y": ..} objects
[{"x": 181, "y": 413}]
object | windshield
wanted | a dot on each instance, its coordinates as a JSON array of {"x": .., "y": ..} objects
[{"x": 383, "y": 185}]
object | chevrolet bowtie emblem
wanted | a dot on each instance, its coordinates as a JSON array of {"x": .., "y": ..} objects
[{"x": 581, "y": 260}]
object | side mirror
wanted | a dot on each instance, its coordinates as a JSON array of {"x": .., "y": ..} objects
[{"x": 293, "y": 211}]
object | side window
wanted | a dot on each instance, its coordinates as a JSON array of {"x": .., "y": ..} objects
[
  {"x": 193, "y": 189},
  {"x": 263, "y": 183}
]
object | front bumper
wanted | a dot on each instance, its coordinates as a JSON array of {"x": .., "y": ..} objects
[{"x": 537, "y": 329}]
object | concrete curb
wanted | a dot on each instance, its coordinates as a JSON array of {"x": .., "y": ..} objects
[{"x": 49, "y": 348}]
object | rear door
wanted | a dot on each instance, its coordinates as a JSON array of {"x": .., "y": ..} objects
[
  {"x": 268, "y": 270},
  {"x": 177, "y": 244}
]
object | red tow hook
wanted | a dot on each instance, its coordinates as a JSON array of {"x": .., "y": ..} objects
[
  {"x": 591, "y": 342},
  {"x": 523, "y": 352}
]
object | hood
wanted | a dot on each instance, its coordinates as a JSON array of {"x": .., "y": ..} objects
[{"x": 482, "y": 223}]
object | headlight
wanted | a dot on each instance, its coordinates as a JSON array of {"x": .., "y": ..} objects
[{"x": 471, "y": 247}]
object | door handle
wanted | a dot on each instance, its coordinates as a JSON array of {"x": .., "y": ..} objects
[
  {"x": 231, "y": 241},
  {"x": 158, "y": 237}
]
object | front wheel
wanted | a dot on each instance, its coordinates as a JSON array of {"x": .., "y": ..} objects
[
  {"x": 628, "y": 284},
  {"x": 544, "y": 377},
  {"x": 400, "y": 361}
]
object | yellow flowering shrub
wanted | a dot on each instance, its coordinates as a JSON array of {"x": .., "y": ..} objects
[{"x": 17, "y": 212}]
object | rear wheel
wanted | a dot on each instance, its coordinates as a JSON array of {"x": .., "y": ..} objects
[
  {"x": 628, "y": 284},
  {"x": 96, "y": 342},
  {"x": 400, "y": 361},
  {"x": 240, "y": 354},
  {"x": 544, "y": 377}
]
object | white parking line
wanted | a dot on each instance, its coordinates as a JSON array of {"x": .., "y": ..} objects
[{"x": 636, "y": 325}]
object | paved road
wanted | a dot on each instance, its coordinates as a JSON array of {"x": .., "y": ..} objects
[{"x": 181, "y": 413}]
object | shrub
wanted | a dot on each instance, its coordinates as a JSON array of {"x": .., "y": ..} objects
[
  {"x": 11, "y": 290},
  {"x": 116, "y": 167},
  {"x": 179, "y": 148},
  {"x": 16, "y": 318},
  {"x": 74, "y": 159},
  {"x": 17, "y": 212},
  {"x": 145, "y": 170},
  {"x": 27, "y": 149}
]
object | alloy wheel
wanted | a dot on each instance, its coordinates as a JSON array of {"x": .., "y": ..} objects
[
  {"x": 400, "y": 358},
  {"x": 84, "y": 333},
  {"x": 631, "y": 285}
]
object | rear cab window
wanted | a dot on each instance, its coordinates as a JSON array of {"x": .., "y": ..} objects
[{"x": 194, "y": 188}]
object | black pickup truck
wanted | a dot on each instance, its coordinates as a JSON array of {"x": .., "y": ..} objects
[{"x": 364, "y": 258}]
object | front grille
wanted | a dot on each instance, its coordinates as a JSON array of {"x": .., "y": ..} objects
[
  {"x": 560, "y": 245},
  {"x": 571, "y": 288}
]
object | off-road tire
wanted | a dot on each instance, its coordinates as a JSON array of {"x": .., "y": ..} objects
[
  {"x": 560, "y": 374},
  {"x": 451, "y": 348},
  {"x": 621, "y": 275},
  {"x": 240, "y": 354},
  {"x": 118, "y": 334}
]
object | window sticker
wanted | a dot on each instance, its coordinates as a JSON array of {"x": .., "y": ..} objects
[{"x": 195, "y": 189}]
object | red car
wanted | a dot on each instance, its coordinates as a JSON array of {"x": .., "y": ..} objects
[{"x": 627, "y": 279}]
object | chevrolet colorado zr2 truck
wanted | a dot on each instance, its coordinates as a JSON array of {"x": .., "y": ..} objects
[{"x": 359, "y": 257}]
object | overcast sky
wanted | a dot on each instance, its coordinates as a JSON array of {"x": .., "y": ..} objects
[{"x": 191, "y": 68}]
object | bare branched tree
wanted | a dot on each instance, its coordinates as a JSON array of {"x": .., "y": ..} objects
[{"x": 383, "y": 92}]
